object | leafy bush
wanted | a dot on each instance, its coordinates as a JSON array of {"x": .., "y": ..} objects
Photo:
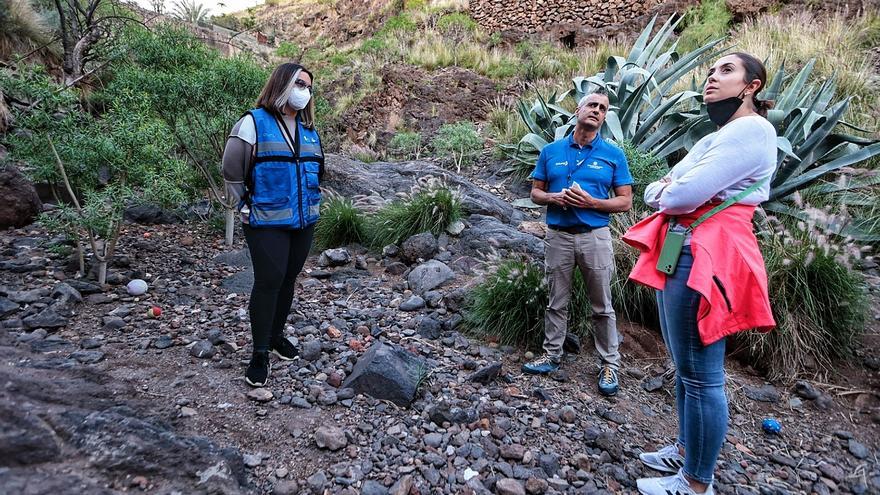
[
  {"x": 819, "y": 304},
  {"x": 709, "y": 20},
  {"x": 289, "y": 49},
  {"x": 459, "y": 142},
  {"x": 341, "y": 223},
  {"x": 456, "y": 23},
  {"x": 399, "y": 23},
  {"x": 431, "y": 206},
  {"x": 406, "y": 145}
]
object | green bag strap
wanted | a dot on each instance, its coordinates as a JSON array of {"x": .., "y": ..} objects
[{"x": 739, "y": 197}]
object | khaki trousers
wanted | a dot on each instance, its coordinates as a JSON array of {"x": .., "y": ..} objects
[{"x": 593, "y": 254}]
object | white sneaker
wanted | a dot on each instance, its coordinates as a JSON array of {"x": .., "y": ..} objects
[
  {"x": 667, "y": 459},
  {"x": 669, "y": 485}
]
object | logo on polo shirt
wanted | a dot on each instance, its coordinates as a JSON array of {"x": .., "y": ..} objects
[
  {"x": 595, "y": 165},
  {"x": 562, "y": 164}
]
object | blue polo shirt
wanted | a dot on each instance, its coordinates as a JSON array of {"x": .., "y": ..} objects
[{"x": 597, "y": 167}]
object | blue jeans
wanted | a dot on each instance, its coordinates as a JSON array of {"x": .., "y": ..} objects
[{"x": 699, "y": 374}]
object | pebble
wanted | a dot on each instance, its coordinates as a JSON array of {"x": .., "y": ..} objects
[{"x": 260, "y": 394}]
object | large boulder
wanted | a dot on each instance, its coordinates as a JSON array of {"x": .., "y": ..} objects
[
  {"x": 387, "y": 373},
  {"x": 149, "y": 214},
  {"x": 19, "y": 202},
  {"x": 487, "y": 231},
  {"x": 353, "y": 178}
]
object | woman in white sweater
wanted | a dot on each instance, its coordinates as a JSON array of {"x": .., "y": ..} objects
[{"x": 740, "y": 156}]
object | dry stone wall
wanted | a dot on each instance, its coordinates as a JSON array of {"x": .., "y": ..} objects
[{"x": 573, "y": 22}]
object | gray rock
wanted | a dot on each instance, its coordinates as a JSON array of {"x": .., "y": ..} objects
[
  {"x": 653, "y": 384},
  {"x": 806, "y": 390},
  {"x": 429, "y": 275},
  {"x": 84, "y": 287},
  {"x": 311, "y": 350},
  {"x": 330, "y": 437},
  {"x": 766, "y": 393},
  {"x": 252, "y": 461},
  {"x": 489, "y": 231},
  {"x": 163, "y": 342},
  {"x": 241, "y": 257},
  {"x": 90, "y": 343},
  {"x": 486, "y": 374},
  {"x": 371, "y": 487},
  {"x": 509, "y": 486},
  {"x": 48, "y": 318},
  {"x": 7, "y": 307},
  {"x": 202, "y": 349},
  {"x": 549, "y": 463},
  {"x": 387, "y": 373},
  {"x": 317, "y": 482},
  {"x": 414, "y": 303},
  {"x": 334, "y": 257},
  {"x": 430, "y": 328},
  {"x": 239, "y": 283},
  {"x": 65, "y": 294},
  {"x": 858, "y": 450},
  {"x": 396, "y": 268},
  {"x": 433, "y": 440},
  {"x": 112, "y": 323},
  {"x": 286, "y": 487},
  {"x": 26, "y": 296},
  {"x": 88, "y": 357},
  {"x": 390, "y": 251},
  {"x": 352, "y": 178},
  {"x": 420, "y": 246}
]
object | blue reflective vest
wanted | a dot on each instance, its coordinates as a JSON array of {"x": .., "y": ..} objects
[{"x": 283, "y": 183}]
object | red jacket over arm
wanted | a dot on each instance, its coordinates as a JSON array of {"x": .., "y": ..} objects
[{"x": 728, "y": 269}]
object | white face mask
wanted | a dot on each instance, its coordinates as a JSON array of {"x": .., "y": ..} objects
[{"x": 299, "y": 98}]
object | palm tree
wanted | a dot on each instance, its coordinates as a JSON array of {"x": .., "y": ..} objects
[{"x": 190, "y": 11}]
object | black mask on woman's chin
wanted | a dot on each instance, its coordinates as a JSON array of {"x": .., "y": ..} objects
[{"x": 721, "y": 111}]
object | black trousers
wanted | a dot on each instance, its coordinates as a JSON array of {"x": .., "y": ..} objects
[{"x": 278, "y": 255}]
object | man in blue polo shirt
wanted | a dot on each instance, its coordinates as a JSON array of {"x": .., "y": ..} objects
[{"x": 574, "y": 177}]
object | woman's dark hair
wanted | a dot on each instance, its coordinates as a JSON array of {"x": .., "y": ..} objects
[
  {"x": 278, "y": 88},
  {"x": 755, "y": 70}
]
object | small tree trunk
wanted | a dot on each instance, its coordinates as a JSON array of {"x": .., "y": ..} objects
[
  {"x": 102, "y": 272},
  {"x": 230, "y": 226},
  {"x": 81, "y": 257}
]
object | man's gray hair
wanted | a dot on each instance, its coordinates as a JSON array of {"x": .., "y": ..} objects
[{"x": 598, "y": 91}]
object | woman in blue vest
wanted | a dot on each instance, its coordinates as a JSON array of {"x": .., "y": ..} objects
[{"x": 273, "y": 163}]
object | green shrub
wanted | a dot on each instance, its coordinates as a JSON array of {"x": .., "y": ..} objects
[
  {"x": 401, "y": 23},
  {"x": 288, "y": 49},
  {"x": 432, "y": 208},
  {"x": 819, "y": 304},
  {"x": 459, "y": 142},
  {"x": 341, "y": 223},
  {"x": 633, "y": 301},
  {"x": 458, "y": 22},
  {"x": 406, "y": 145},
  {"x": 709, "y": 20},
  {"x": 510, "y": 305}
]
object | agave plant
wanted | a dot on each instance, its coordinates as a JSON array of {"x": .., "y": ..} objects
[
  {"x": 637, "y": 87},
  {"x": 806, "y": 120}
]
